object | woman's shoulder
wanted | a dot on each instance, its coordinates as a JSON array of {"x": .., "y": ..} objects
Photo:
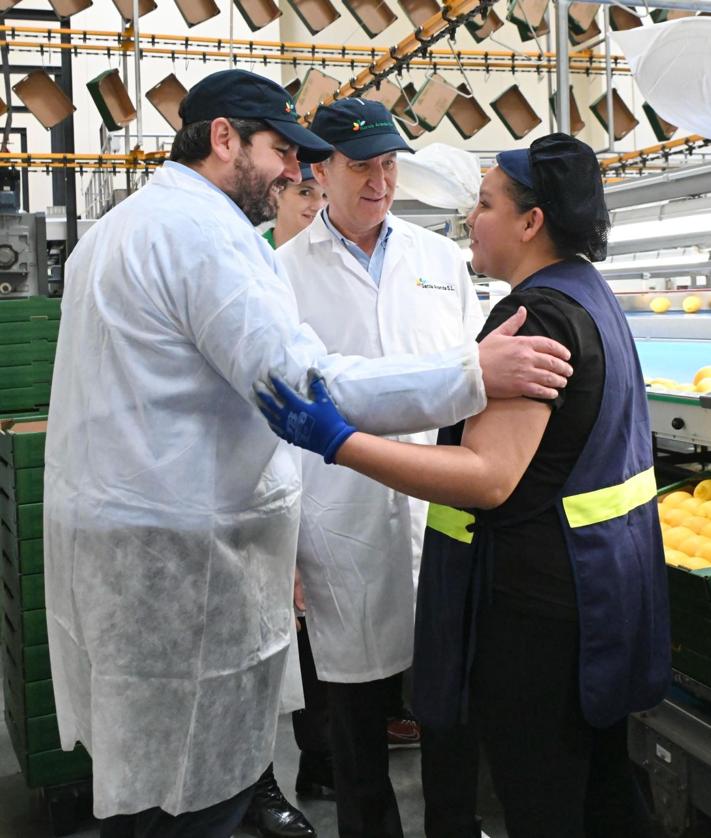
[{"x": 550, "y": 313}]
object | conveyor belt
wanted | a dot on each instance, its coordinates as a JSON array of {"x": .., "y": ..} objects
[
  {"x": 673, "y": 325},
  {"x": 675, "y": 359}
]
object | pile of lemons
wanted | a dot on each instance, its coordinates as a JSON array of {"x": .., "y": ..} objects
[
  {"x": 700, "y": 384},
  {"x": 686, "y": 527}
]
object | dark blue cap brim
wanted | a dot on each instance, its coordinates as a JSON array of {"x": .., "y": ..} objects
[
  {"x": 312, "y": 149},
  {"x": 371, "y": 145},
  {"x": 517, "y": 165},
  {"x": 306, "y": 172}
]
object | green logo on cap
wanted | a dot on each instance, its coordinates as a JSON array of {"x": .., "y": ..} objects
[
  {"x": 290, "y": 107},
  {"x": 362, "y": 125}
]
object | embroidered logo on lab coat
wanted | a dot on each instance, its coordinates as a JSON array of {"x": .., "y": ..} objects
[{"x": 433, "y": 286}]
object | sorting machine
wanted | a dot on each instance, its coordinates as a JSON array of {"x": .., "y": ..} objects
[{"x": 672, "y": 742}]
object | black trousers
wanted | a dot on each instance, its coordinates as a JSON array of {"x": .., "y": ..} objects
[
  {"x": 218, "y": 821},
  {"x": 450, "y": 777},
  {"x": 555, "y": 775},
  {"x": 311, "y": 724},
  {"x": 365, "y": 799}
]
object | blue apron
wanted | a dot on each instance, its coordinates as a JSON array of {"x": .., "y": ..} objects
[{"x": 608, "y": 512}]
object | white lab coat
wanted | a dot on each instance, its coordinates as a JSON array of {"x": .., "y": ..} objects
[
  {"x": 360, "y": 542},
  {"x": 171, "y": 510}
]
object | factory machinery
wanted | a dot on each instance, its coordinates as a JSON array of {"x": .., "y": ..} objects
[{"x": 663, "y": 283}]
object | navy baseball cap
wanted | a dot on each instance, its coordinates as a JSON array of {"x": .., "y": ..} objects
[
  {"x": 358, "y": 128},
  {"x": 243, "y": 95},
  {"x": 306, "y": 172},
  {"x": 517, "y": 165}
]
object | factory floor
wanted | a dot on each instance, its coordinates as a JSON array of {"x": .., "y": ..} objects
[{"x": 23, "y": 814}]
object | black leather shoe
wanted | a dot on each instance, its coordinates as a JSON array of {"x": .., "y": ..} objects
[
  {"x": 270, "y": 815},
  {"x": 315, "y": 777}
]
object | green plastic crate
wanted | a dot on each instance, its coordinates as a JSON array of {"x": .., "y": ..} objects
[
  {"x": 49, "y": 768},
  {"x": 26, "y": 555},
  {"x": 23, "y": 399},
  {"x": 26, "y": 699},
  {"x": 29, "y": 628},
  {"x": 24, "y": 520},
  {"x": 27, "y": 590},
  {"x": 31, "y": 352},
  {"x": 22, "y": 443},
  {"x": 13, "y": 311},
  {"x": 38, "y": 734},
  {"x": 39, "y": 372},
  {"x": 32, "y": 662},
  {"x": 24, "y": 485},
  {"x": 39, "y": 328}
]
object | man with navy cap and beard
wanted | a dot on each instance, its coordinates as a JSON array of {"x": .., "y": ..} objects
[{"x": 170, "y": 509}]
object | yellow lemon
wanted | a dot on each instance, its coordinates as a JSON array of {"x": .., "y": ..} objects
[
  {"x": 663, "y": 383},
  {"x": 702, "y": 491},
  {"x": 675, "y": 498},
  {"x": 694, "y": 563},
  {"x": 660, "y": 304},
  {"x": 674, "y": 536},
  {"x": 706, "y": 531},
  {"x": 704, "y": 551},
  {"x": 694, "y": 522},
  {"x": 705, "y": 509},
  {"x": 703, "y": 372},
  {"x": 692, "y": 304},
  {"x": 672, "y": 556},
  {"x": 674, "y": 516},
  {"x": 692, "y": 504},
  {"x": 688, "y": 387},
  {"x": 704, "y": 386},
  {"x": 691, "y": 545}
]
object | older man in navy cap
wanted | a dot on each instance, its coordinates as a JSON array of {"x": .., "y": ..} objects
[{"x": 367, "y": 282}]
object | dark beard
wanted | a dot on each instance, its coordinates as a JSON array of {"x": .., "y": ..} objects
[{"x": 252, "y": 192}]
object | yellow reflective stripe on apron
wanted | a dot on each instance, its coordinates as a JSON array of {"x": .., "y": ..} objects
[
  {"x": 451, "y": 522},
  {"x": 611, "y": 502}
]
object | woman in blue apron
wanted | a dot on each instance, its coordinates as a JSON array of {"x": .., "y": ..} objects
[{"x": 542, "y": 614}]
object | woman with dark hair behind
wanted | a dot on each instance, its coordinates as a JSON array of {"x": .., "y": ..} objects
[{"x": 542, "y": 612}]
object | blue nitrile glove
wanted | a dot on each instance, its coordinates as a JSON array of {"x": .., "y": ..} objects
[{"x": 313, "y": 424}]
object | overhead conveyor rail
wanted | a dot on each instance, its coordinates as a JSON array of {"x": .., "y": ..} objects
[
  {"x": 154, "y": 45},
  {"x": 631, "y": 160}
]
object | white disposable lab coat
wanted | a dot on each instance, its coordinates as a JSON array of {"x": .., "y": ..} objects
[
  {"x": 360, "y": 542},
  {"x": 171, "y": 510}
]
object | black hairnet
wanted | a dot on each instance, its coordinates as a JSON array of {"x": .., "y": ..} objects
[{"x": 568, "y": 184}]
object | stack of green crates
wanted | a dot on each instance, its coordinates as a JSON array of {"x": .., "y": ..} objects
[
  {"x": 28, "y": 340},
  {"x": 27, "y": 683}
]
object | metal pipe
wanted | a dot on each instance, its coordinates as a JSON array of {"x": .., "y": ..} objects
[
  {"x": 126, "y": 130},
  {"x": 608, "y": 78},
  {"x": 549, "y": 80},
  {"x": 137, "y": 73},
  {"x": 562, "y": 68},
  {"x": 676, "y": 5},
  {"x": 648, "y": 190},
  {"x": 70, "y": 175}
]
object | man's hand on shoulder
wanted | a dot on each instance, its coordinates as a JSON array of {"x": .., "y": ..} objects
[{"x": 522, "y": 366}]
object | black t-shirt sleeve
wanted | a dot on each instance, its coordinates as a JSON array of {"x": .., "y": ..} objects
[{"x": 546, "y": 317}]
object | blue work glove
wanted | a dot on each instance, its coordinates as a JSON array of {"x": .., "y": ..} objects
[{"x": 313, "y": 424}]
